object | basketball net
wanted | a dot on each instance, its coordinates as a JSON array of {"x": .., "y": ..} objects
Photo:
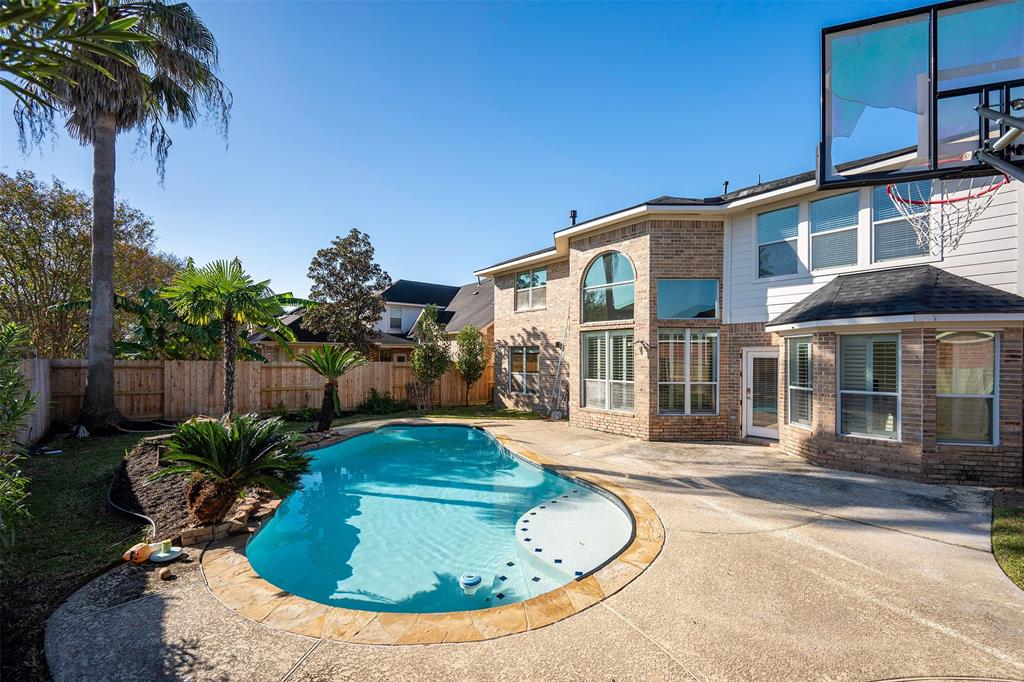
[{"x": 940, "y": 223}]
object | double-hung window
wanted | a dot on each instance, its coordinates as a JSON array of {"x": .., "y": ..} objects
[
  {"x": 800, "y": 400},
  {"x": 869, "y": 385},
  {"x": 834, "y": 231},
  {"x": 776, "y": 242},
  {"x": 688, "y": 371},
  {"x": 893, "y": 237},
  {"x": 395, "y": 319},
  {"x": 532, "y": 289},
  {"x": 524, "y": 366},
  {"x": 608, "y": 370},
  {"x": 965, "y": 386}
]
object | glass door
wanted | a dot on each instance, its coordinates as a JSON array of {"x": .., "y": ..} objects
[{"x": 761, "y": 393}]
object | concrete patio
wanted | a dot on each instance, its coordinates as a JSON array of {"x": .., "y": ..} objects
[{"x": 771, "y": 569}]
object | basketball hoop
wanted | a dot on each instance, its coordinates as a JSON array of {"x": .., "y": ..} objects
[{"x": 941, "y": 223}]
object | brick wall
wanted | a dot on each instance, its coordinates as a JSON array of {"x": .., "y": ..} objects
[
  {"x": 542, "y": 328},
  {"x": 917, "y": 455}
]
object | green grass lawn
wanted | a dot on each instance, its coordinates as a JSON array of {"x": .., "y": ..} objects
[
  {"x": 1008, "y": 541},
  {"x": 70, "y": 538}
]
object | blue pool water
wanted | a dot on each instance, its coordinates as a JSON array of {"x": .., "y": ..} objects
[{"x": 390, "y": 520}]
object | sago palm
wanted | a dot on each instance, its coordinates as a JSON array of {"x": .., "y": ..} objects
[
  {"x": 223, "y": 291},
  {"x": 227, "y": 457},
  {"x": 170, "y": 77},
  {"x": 331, "y": 362}
]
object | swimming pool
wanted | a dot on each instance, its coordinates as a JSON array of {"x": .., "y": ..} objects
[{"x": 391, "y": 520}]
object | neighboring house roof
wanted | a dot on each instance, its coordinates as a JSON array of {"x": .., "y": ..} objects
[
  {"x": 473, "y": 305},
  {"x": 914, "y": 290},
  {"x": 294, "y": 322},
  {"x": 390, "y": 340},
  {"x": 419, "y": 293}
]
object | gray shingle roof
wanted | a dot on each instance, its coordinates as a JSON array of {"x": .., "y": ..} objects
[
  {"x": 900, "y": 291},
  {"x": 474, "y": 304},
  {"x": 420, "y": 293}
]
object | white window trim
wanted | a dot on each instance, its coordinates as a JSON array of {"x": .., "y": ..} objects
[
  {"x": 994, "y": 396},
  {"x": 855, "y": 228},
  {"x": 718, "y": 291},
  {"x": 790, "y": 387},
  {"x": 898, "y": 394},
  {"x": 530, "y": 289},
  {"x": 795, "y": 239},
  {"x": 687, "y": 382},
  {"x": 524, "y": 374},
  {"x": 608, "y": 381},
  {"x": 391, "y": 318},
  {"x": 872, "y": 257},
  {"x": 584, "y": 289}
]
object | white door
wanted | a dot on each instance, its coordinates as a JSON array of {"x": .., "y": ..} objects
[{"x": 761, "y": 393}]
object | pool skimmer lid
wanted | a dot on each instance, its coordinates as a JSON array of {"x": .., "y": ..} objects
[{"x": 470, "y": 583}]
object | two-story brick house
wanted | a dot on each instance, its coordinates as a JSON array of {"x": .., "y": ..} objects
[{"x": 783, "y": 312}]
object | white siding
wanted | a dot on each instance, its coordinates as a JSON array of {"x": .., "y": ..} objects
[
  {"x": 410, "y": 313},
  {"x": 988, "y": 253}
]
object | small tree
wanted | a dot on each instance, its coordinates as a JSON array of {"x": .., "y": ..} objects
[
  {"x": 469, "y": 356},
  {"x": 331, "y": 362},
  {"x": 431, "y": 357},
  {"x": 347, "y": 286},
  {"x": 16, "y": 403}
]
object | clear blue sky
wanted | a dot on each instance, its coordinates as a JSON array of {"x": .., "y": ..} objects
[{"x": 459, "y": 135}]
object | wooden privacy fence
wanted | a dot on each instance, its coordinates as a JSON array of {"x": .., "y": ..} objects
[{"x": 179, "y": 389}]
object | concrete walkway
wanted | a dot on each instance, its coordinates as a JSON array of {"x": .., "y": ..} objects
[{"x": 771, "y": 569}]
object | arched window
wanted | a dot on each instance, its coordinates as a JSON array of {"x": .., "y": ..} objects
[{"x": 608, "y": 289}]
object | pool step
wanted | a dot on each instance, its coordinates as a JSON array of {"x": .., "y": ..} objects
[{"x": 573, "y": 533}]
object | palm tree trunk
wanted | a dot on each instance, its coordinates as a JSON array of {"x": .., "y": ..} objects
[
  {"x": 99, "y": 407},
  {"x": 230, "y": 353},
  {"x": 326, "y": 407}
]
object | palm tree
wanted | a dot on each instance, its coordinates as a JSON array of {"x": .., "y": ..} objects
[
  {"x": 227, "y": 457},
  {"x": 170, "y": 77},
  {"x": 331, "y": 362},
  {"x": 223, "y": 291}
]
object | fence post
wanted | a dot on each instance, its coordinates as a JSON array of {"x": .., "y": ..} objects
[{"x": 37, "y": 377}]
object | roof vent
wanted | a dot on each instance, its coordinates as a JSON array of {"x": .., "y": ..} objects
[
  {"x": 725, "y": 188},
  {"x": 572, "y": 216}
]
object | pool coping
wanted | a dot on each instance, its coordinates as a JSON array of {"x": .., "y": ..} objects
[{"x": 233, "y": 582}]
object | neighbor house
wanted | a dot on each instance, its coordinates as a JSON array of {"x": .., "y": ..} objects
[
  {"x": 778, "y": 312},
  {"x": 404, "y": 302}
]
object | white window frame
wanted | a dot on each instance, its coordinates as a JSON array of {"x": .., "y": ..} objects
[
  {"x": 585, "y": 289},
  {"x": 898, "y": 394},
  {"x": 522, "y": 350},
  {"x": 530, "y": 290},
  {"x": 391, "y": 318},
  {"x": 687, "y": 382},
  {"x": 795, "y": 239},
  {"x": 994, "y": 396},
  {"x": 608, "y": 381},
  {"x": 884, "y": 221},
  {"x": 789, "y": 385},
  {"x": 855, "y": 228}
]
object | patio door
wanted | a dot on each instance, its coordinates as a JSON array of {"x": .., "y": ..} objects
[{"x": 761, "y": 392}]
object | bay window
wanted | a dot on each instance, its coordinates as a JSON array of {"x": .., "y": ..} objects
[
  {"x": 608, "y": 370},
  {"x": 688, "y": 371},
  {"x": 965, "y": 387},
  {"x": 800, "y": 391},
  {"x": 869, "y": 385}
]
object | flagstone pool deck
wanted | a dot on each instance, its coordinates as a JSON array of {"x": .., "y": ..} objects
[{"x": 770, "y": 568}]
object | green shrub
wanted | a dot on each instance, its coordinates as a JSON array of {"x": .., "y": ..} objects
[
  {"x": 227, "y": 457},
  {"x": 384, "y": 403}
]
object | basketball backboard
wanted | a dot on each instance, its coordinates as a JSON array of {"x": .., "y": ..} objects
[{"x": 899, "y": 93}]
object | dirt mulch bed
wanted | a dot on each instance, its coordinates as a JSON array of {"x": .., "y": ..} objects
[{"x": 162, "y": 500}]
